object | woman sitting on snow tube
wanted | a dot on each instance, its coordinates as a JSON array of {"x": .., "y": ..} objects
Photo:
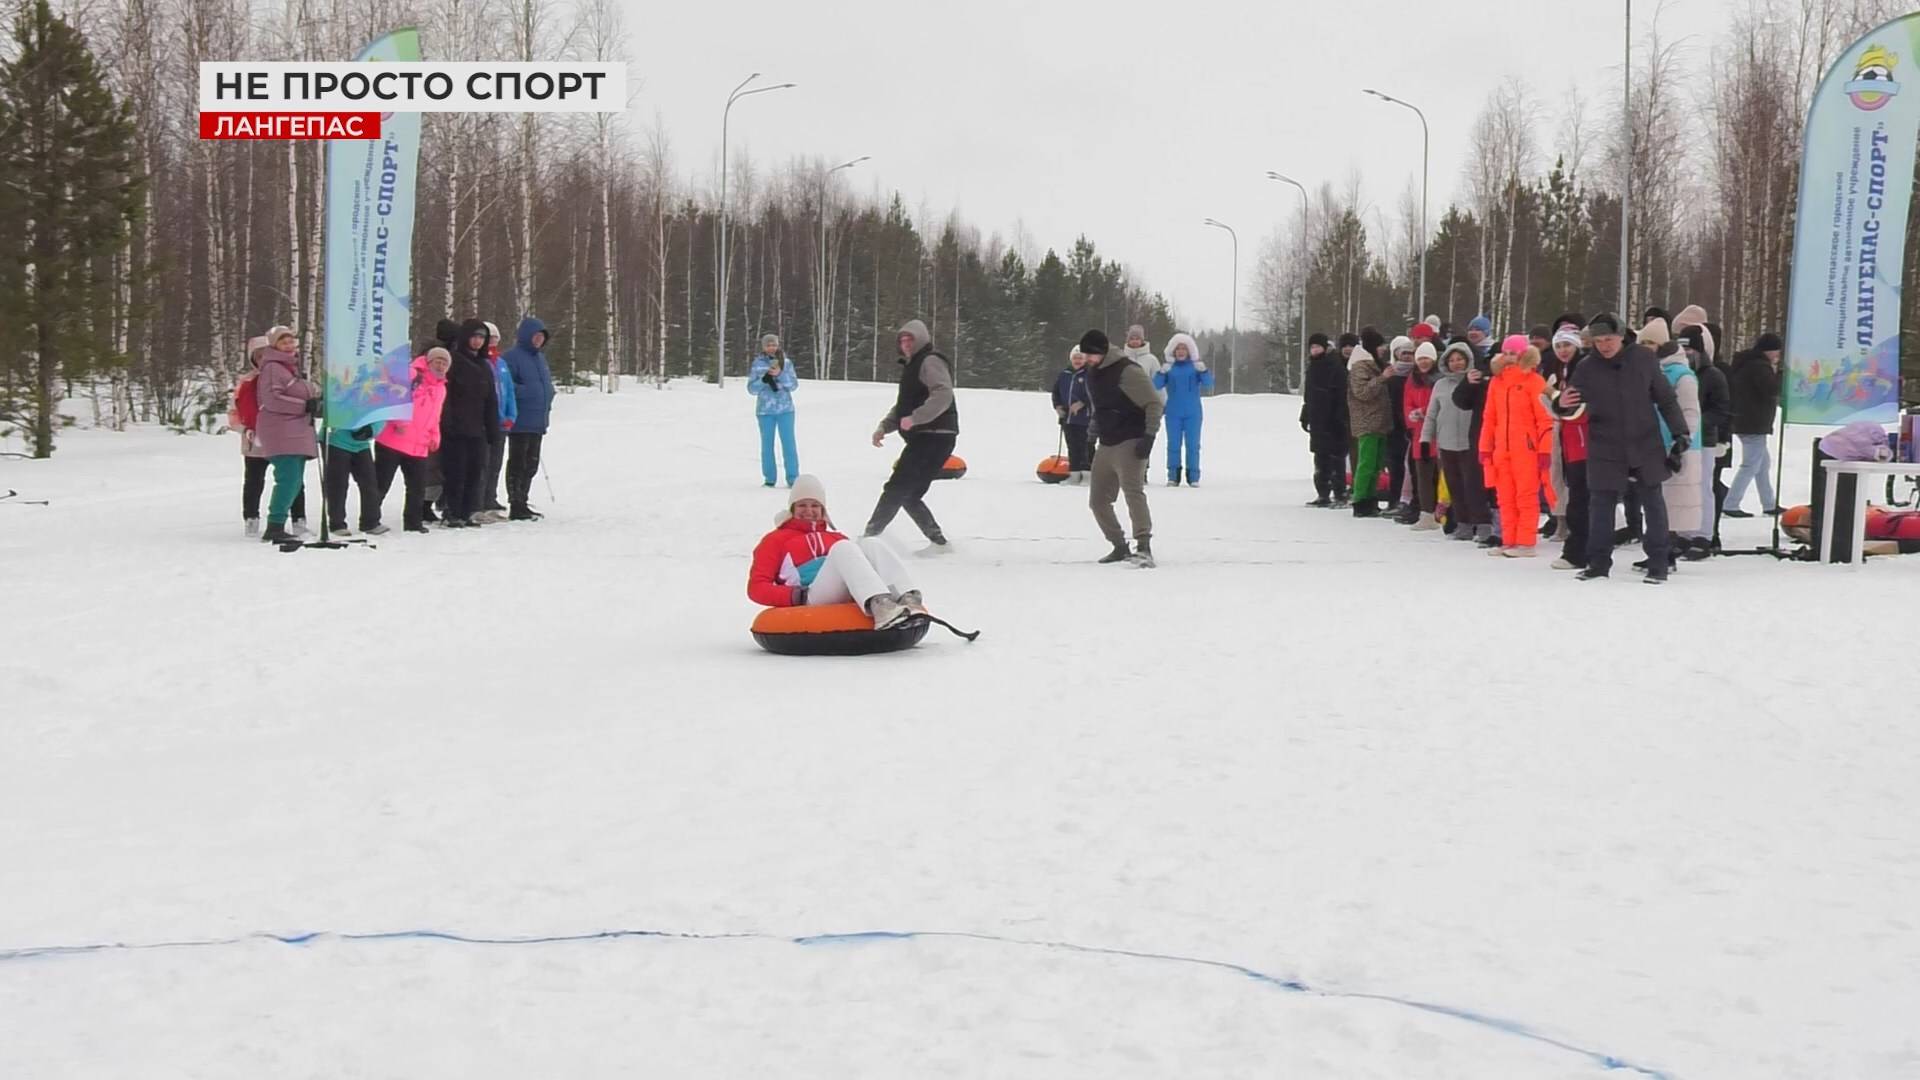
[{"x": 804, "y": 564}]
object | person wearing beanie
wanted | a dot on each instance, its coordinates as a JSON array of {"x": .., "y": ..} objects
[
  {"x": 1716, "y": 433},
  {"x": 1073, "y": 406},
  {"x": 1516, "y": 445},
  {"x": 469, "y": 425},
  {"x": 1625, "y": 400},
  {"x": 771, "y": 380},
  {"x": 1449, "y": 427},
  {"x": 1688, "y": 519},
  {"x": 1399, "y": 368},
  {"x": 404, "y": 445},
  {"x": 1570, "y": 456},
  {"x": 1126, "y": 418},
  {"x": 927, "y": 416},
  {"x": 526, "y": 365},
  {"x": 1180, "y": 383},
  {"x": 1369, "y": 416},
  {"x": 1416, "y": 400},
  {"x": 1420, "y": 332},
  {"x": 1480, "y": 336},
  {"x": 1323, "y": 416},
  {"x": 491, "y": 511},
  {"x": 1140, "y": 351},
  {"x": 1755, "y": 383},
  {"x": 244, "y": 417},
  {"x": 1470, "y": 394},
  {"x": 804, "y": 562},
  {"x": 283, "y": 429}
]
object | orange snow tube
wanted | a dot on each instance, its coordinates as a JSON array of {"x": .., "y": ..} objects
[
  {"x": 831, "y": 630},
  {"x": 1053, "y": 470},
  {"x": 954, "y": 469}
]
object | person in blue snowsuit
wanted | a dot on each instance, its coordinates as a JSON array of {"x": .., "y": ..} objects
[
  {"x": 531, "y": 380},
  {"x": 1183, "y": 378},
  {"x": 772, "y": 382}
]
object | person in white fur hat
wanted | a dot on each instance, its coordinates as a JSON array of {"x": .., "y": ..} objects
[{"x": 804, "y": 562}]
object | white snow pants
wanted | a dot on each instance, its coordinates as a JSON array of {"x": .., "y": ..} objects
[{"x": 857, "y": 571}]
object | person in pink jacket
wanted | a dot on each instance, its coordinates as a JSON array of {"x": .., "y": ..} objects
[
  {"x": 284, "y": 431},
  {"x": 403, "y": 445}
]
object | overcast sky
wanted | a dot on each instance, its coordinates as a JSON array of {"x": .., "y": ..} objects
[{"x": 1127, "y": 121}]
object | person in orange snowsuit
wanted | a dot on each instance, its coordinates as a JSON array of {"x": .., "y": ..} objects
[{"x": 1516, "y": 446}]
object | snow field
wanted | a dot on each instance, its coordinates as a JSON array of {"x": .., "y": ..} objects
[{"x": 1673, "y": 826}]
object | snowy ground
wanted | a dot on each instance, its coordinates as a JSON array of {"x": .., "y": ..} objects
[{"x": 1675, "y": 831}]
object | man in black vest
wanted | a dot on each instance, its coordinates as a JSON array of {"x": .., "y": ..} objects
[
  {"x": 928, "y": 421},
  {"x": 1624, "y": 396},
  {"x": 1126, "y": 417}
]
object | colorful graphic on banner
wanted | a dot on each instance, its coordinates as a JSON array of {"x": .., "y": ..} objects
[
  {"x": 370, "y": 187},
  {"x": 1856, "y": 176}
]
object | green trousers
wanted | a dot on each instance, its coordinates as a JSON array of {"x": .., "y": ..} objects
[
  {"x": 289, "y": 472},
  {"x": 1366, "y": 471}
]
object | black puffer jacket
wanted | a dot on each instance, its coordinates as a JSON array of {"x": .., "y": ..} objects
[
  {"x": 472, "y": 408},
  {"x": 1624, "y": 399},
  {"x": 1716, "y": 405},
  {"x": 1324, "y": 407},
  {"x": 1756, "y": 393}
]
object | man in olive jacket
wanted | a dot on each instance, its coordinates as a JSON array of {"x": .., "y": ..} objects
[
  {"x": 1623, "y": 394},
  {"x": 1126, "y": 417}
]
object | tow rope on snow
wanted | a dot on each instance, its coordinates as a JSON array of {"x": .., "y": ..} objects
[
  {"x": 1497, "y": 1024},
  {"x": 952, "y": 629},
  {"x": 12, "y": 498}
]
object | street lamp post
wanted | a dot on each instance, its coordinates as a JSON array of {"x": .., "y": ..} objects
[
  {"x": 1303, "y": 269},
  {"x": 741, "y": 91},
  {"x": 1626, "y": 171},
  {"x": 825, "y": 305},
  {"x": 1233, "y": 348},
  {"x": 1426, "y": 146}
]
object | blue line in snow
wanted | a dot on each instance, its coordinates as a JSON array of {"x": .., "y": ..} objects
[{"x": 862, "y": 937}]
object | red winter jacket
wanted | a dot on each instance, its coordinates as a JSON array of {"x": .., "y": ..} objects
[
  {"x": 787, "y": 558},
  {"x": 1415, "y": 400}
]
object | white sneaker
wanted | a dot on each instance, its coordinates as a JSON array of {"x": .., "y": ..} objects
[
  {"x": 298, "y": 528},
  {"x": 253, "y": 528},
  {"x": 1518, "y": 552},
  {"x": 932, "y": 551},
  {"x": 1562, "y": 564},
  {"x": 1426, "y": 524},
  {"x": 886, "y": 612},
  {"x": 377, "y": 530},
  {"x": 912, "y": 602},
  {"x": 1497, "y": 552},
  {"x": 341, "y": 531}
]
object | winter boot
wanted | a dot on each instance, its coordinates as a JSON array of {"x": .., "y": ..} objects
[
  {"x": 525, "y": 513},
  {"x": 1735, "y": 514},
  {"x": 1518, "y": 552},
  {"x": 276, "y": 534},
  {"x": 1588, "y": 573},
  {"x": 1366, "y": 508},
  {"x": 1321, "y": 503},
  {"x": 340, "y": 529},
  {"x": 1120, "y": 553},
  {"x": 912, "y": 602},
  {"x": 935, "y": 549},
  {"x": 1143, "y": 555},
  {"x": 1697, "y": 549},
  {"x": 376, "y": 530},
  {"x": 420, "y": 528},
  {"x": 1563, "y": 564},
  {"x": 1408, "y": 515},
  {"x": 1173, "y": 477},
  {"x": 886, "y": 613},
  {"x": 1485, "y": 536},
  {"x": 1655, "y": 577},
  {"x": 298, "y": 529},
  {"x": 1341, "y": 501},
  {"x": 253, "y": 528},
  {"x": 1426, "y": 523}
]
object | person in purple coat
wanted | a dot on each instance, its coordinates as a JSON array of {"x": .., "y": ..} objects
[{"x": 288, "y": 402}]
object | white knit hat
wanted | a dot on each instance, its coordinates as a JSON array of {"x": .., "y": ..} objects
[
  {"x": 1425, "y": 350},
  {"x": 805, "y": 486}
]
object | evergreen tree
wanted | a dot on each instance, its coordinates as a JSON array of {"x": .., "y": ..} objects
[{"x": 70, "y": 192}]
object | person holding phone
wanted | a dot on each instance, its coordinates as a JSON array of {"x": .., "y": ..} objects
[{"x": 772, "y": 382}]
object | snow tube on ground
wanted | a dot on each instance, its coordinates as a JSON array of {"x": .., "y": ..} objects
[
  {"x": 1892, "y": 525},
  {"x": 831, "y": 630},
  {"x": 954, "y": 469},
  {"x": 1053, "y": 470}
]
